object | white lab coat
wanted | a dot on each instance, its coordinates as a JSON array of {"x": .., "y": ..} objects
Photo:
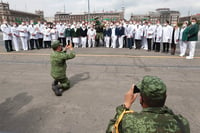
[
  {"x": 33, "y": 32},
  {"x": 113, "y": 37},
  {"x": 15, "y": 37},
  {"x": 23, "y": 35},
  {"x": 138, "y": 32},
  {"x": 91, "y": 37},
  {"x": 47, "y": 34},
  {"x": 23, "y": 30},
  {"x": 129, "y": 31},
  {"x": 167, "y": 34},
  {"x": 6, "y": 29},
  {"x": 61, "y": 31},
  {"x": 158, "y": 33},
  {"x": 54, "y": 34},
  {"x": 40, "y": 28},
  {"x": 176, "y": 35},
  {"x": 150, "y": 31}
]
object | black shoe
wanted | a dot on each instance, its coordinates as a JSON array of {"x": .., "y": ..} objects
[
  {"x": 57, "y": 91},
  {"x": 54, "y": 83}
]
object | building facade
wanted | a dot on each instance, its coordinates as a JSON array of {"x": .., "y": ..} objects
[
  {"x": 69, "y": 18},
  {"x": 18, "y": 16},
  {"x": 189, "y": 18},
  {"x": 161, "y": 14}
]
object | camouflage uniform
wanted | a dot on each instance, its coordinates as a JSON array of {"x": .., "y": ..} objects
[
  {"x": 151, "y": 119},
  {"x": 58, "y": 66}
]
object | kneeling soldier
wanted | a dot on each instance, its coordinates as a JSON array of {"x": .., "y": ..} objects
[{"x": 58, "y": 67}]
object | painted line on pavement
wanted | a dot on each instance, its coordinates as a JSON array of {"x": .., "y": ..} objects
[{"x": 99, "y": 55}]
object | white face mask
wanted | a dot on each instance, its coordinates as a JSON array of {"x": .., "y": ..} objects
[
  {"x": 174, "y": 25},
  {"x": 193, "y": 23}
]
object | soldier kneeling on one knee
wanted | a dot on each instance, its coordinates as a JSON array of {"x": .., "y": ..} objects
[{"x": 58, "y": 67}]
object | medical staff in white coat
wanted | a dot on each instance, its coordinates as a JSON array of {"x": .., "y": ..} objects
[
  {"x": 138, "y": 36},
  {"x": 113, "y": 36},
  {"x": 129, "y": 28},
  {"x": 54, "y": 33},
  {"x": 7, "y": 36},
  {"x": 15, "y": 36},
  {"x": 167, "y": 36},
  {"x": 183, "y": 44},
  {"x": 158, "y": 36},
  {"x": 33, "y": 31},
  {"x": 23, "y": 35},
  {"x": 61, "y": 34},
  {"x": 144, "y": 36},
  {"x": 175, "y": 38},
  {"x": 91, "y": 33},
  {"x": 40, "y": 35},
  {"x": 47, "y": 37},
  {"x": 150, "y": 34}
]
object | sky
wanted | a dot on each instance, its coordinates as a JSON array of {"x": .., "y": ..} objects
[{"x": 50, "y": 7}]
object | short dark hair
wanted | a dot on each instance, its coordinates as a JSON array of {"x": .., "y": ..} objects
[
  {"x": 153, "y": 102},
  {"x": 194, "y": 19}
]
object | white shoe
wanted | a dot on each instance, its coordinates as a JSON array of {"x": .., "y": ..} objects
[
  {"x": 181, "y": 55},
  {"x": 189, "y": 57}
]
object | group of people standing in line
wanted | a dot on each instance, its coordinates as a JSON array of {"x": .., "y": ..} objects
[{"x": 122, "y": 34}]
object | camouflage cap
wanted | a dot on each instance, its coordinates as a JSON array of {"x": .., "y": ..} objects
[
  {"x": 55, "y": 44},
  {"x": 152, "y": 87}
]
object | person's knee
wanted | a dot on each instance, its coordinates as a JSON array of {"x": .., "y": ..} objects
[{"x": 65, "y": 85}]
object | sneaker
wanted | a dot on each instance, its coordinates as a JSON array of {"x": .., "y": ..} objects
[
  {"x": 189, "y": 57},
  {"x": 181, "y": 55}
]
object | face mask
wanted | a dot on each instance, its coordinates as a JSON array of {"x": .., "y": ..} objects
[{"x": 193, "y": 23}]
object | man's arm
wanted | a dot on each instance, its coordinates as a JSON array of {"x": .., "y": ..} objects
[
  {"x": 71, "y": 55},
  {"x": 129, "y": 98}
]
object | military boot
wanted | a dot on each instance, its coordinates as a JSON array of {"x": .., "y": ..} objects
[
  {"x": 54, "y": 83},
  {"x": 57, "y": 90}
]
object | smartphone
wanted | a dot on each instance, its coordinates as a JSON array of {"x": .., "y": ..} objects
[{"x": 136, "y": 90}]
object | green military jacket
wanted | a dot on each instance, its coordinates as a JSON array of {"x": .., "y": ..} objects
[
  {"x": 193, "y": 32},
  {"x": 150, "y": 120},
  {"x": 58, "y": 63}
]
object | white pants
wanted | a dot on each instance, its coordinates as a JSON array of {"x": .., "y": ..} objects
[
  {"x": 121, "y": 39},
  {"x": 68, "y": 38},
  {"x": 91, "y": 42},
  {"x": 83, "y": 42},
  {"x": 192, "y": 46},
  {"x": 107, "y": 41},
  {"x": 144, "y": 43},
  {"x": 114, "y": 39},
  {"x": 24, "y": 43},
  {"x": 76, "y": 42},
  {"x": 16, "y": 43},
  {"x": 183, "y": 47}
]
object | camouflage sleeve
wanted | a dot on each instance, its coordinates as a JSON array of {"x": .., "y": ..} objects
[
  {"x": 69, "y": 56},
  {"x": 119, "y": 110},
  {"x": 185, "y": 123}
]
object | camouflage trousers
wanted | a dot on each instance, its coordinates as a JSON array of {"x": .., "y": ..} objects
[{"x": 64, "y": 83}]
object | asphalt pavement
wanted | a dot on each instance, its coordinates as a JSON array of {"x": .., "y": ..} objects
[{"x": 99, "y": 77}]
